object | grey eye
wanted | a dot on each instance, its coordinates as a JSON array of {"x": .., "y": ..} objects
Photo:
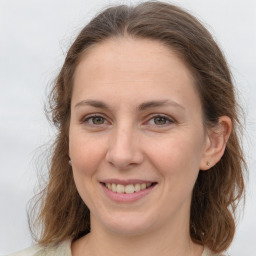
[
  {"x": 96, "y": 120},
  {"x": 160, "y": 120}
]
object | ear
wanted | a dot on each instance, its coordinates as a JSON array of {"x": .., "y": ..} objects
[{"x": 216, "y": 141}]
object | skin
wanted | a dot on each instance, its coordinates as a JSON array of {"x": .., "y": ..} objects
[{"x": 126, "y": 142}]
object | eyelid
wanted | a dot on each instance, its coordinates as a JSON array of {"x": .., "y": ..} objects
[
  {"x": 85, "y": 118},
  {"x": 168, "y": 118}
]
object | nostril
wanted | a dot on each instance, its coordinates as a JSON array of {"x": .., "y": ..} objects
[{"x": 123, "y": 160}]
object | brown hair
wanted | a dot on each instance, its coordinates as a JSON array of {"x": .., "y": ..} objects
[{"x": 63, "y": 214}]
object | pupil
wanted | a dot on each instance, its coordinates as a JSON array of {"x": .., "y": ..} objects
[
  {"x": 160, "y": 120},
  {"x": 98, "y": 120}
]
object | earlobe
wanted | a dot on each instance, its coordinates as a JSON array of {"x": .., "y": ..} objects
[{"x": 217, "y": 138}]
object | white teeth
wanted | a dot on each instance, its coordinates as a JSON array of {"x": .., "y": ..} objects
[
  {"x": 128, "y": 189},
  {"x": 143, "y": 186},
  {"x": 137, "y": 187},
  {"x": 119, "y": 188},
  {"x": 113, "y": 187}
]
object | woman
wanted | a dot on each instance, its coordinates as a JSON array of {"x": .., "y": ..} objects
[{"x": 147, "y": 160}]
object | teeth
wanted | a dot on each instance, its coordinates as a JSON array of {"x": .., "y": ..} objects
[
  {"x": 113, "y": 187},
  {"x": 143, "y": 186},
  {"x": 119, "y": 188},
  {"x": 137, "y": 187},
  {"x": 128, "y": 189}
]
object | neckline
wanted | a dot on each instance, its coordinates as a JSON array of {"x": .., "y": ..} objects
[{"x": 67, "y": 245}]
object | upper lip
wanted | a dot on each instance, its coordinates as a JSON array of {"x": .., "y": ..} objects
[{"x": 126, "y": 182}]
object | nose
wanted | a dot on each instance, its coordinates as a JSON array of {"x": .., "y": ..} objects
[{"x": 124, "y": 149}]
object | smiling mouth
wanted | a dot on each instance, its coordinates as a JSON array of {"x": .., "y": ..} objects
[{"x": 128, "y": 189}]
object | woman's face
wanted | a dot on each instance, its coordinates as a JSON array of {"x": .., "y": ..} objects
[{"x": 136, "y": 136}]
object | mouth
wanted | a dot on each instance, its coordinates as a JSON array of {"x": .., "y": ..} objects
[{"x": 128, "y": 188}]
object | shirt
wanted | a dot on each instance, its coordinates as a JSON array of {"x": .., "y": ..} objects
[{"x": 64, "y": 249}]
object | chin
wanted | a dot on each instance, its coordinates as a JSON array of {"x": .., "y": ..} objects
[{"x": 128, "y": 225}]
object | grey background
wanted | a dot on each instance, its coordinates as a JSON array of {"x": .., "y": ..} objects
[{"x": 34, "y": 37}]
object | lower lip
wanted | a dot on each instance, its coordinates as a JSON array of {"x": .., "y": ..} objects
[{"x": 122, "y": 197}]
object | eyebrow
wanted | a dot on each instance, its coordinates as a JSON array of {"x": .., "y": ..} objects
[
  {"x": 93, "y": 103},
  {"x": 159, "y": 103},
  {"x": 143, "y": 106}
]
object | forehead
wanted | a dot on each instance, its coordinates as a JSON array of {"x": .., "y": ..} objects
[
  {"x": 133, "y": 67},
  {"x": 136, "y": 55}
]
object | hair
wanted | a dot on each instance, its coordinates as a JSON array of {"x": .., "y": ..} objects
[{"x": 62, "y": 213}]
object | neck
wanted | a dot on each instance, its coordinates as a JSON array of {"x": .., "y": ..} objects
[{"x": 166, "y": 241}]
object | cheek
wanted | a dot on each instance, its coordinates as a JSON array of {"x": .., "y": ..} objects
[
  {"x": 86, "y": 154},
  {"x": 177, "y": 157}
]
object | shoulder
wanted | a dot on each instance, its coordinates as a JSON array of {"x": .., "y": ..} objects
[
  {"x": 63, "y": 249},
  {"x": 208, "y": 252},
  {"x": 28, "y": 252}
]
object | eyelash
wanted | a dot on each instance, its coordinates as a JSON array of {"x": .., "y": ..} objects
[
  {"x": 166, "y": 118},
  {"x": 87, "y": 118}
]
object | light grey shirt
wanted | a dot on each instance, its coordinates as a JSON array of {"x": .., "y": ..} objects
[{"x": 64, "y": 249}]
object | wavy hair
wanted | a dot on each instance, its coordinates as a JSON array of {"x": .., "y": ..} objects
[{"x": 62, "y": 213}]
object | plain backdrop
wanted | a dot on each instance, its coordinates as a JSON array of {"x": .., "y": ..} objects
[{"x": 34, "y": 38}]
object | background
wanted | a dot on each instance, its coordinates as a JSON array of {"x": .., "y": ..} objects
[{"x": 34, "y": 38}]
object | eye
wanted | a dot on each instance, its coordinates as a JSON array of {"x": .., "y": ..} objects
[
  {"x": 94, "y": 120},
  {"x": 160, "y": 120}
]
